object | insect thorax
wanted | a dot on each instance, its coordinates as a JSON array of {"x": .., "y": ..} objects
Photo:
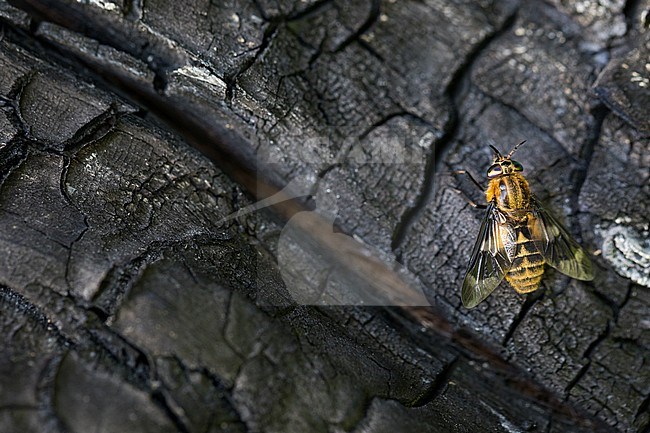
[{"x": 510, "y": 192}]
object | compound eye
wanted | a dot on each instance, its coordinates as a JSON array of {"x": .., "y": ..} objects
[
  {"x": 518, "y": 166},
  {"x": 494, "y": 171}
]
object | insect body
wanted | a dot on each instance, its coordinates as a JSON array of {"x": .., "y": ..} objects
[{"x": 517, "y": 237}]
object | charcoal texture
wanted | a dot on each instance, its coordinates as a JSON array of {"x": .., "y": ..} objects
[{"x": 143, "y": 289}]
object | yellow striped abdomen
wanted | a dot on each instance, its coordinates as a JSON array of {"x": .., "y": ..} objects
[{"x": 527, "y": 266}]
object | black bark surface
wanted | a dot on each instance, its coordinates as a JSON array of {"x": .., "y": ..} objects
[{"x": 140, "y": 291}]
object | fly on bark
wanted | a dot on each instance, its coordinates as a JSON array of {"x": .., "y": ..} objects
[{"x": 517, "y": 237}]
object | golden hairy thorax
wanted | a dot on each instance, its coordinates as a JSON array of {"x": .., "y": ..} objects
[
  {"x": 512, "y": 197},
  {"x": 510, "y": 192}
]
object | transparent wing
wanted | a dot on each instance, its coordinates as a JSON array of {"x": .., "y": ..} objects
[
  {"x": 491, "y": 258},
  {"x": 557, "y": 246}
]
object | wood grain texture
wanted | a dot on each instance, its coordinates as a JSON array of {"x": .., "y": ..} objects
[{"x": 131, "y": 300}]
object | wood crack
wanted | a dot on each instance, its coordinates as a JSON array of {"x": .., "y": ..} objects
[{"x": 453, "y": 92}]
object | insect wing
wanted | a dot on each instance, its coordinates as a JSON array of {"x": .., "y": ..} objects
[
  {"x": 557, "y": 246},
  {"x": 491, "y": 258}
]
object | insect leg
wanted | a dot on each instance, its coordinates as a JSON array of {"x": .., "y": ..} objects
[
  {"x": 469, "y": 200},
  {"x": 470, "y": 177}
]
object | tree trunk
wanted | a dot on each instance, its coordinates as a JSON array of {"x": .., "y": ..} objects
[{"x": 239, "y": 216}]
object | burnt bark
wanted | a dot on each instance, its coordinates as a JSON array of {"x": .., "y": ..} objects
[{"x": 143, "y": 289}]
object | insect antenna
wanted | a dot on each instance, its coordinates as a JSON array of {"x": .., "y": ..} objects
[
  {"x": 514, "y": 149},
  {"x": 496, "y": 151}
]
